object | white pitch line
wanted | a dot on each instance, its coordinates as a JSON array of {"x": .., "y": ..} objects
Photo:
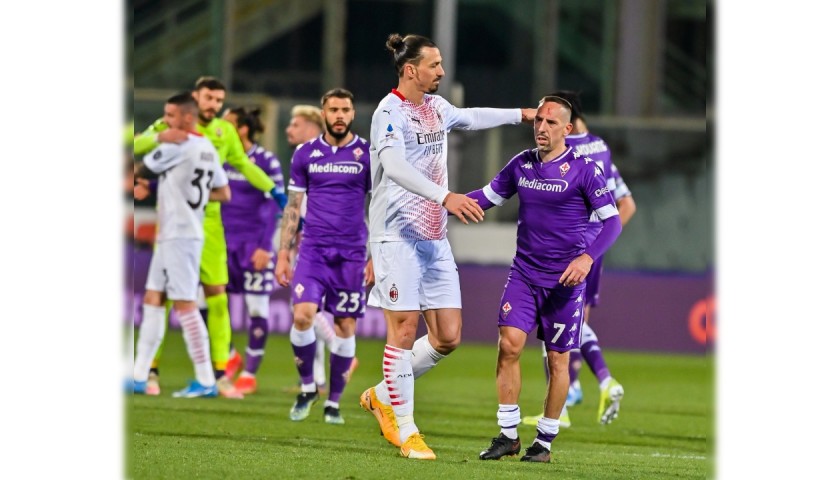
[{"x": 663, "y": 455}]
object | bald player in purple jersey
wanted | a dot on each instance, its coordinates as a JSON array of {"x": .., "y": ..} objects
[
  {"x": 332, "y": 267},
  {"x": 611, "y": 392},
  {"x": 249, "y": 220},
  {"x": 558, "y": 192}
]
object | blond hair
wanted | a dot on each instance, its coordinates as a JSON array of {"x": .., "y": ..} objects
[{"x": 309, "y": 112}]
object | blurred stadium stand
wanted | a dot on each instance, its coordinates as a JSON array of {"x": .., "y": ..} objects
[{"x": 642, "y": 66}]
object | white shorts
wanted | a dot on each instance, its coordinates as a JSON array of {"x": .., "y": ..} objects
[
  {"x": 414, "y": 275},
  {"x": 174, "y": 269}
]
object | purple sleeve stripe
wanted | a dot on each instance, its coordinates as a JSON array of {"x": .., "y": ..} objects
[{"x": 606, "y": 237}]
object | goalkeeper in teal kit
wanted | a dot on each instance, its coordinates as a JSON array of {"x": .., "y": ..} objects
[{"x": 210, "y": 93}]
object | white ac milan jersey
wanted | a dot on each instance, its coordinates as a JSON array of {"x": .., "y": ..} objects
[
  {"x": 419, "y": 133},
  {"x": 188, "y": 172}
]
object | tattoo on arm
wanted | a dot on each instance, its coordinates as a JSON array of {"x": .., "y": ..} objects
[{"x": 291, "y": 218}]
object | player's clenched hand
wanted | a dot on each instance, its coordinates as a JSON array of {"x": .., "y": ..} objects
[
  {"x": 577, "y": 271},
  {"x": 369, "y": 278},
  {"x": 172, "y": 135},
  {"x": 260, "y": 259},
  {"x": 283, "y": 269},
  {"x": 463, "y": 207},
  {"x": 141, "y": 188},
  {"x": 528, "y": 115}
]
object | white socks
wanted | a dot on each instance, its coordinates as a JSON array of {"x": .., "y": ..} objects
[
  {"x": 344, "y": 347},
  {"x": 508, "y": 417},
  {"x": 587, "y": 334},
  {"x": 150, "y": 335},
  {"x": 198, "y": 346},
  {"x": 549, "y": 427},
  {"x": 399, "y": 381},
  {"x": 325, "y": 333},
  {"x": 423, "y": 358},
  {"x": 301, "y": 338}
]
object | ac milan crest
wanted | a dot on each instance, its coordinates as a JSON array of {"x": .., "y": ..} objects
[
  {"x": 393, "y": 293},
  {"x": 564, "y": 168},
  {"x": 357, "y": 153}
]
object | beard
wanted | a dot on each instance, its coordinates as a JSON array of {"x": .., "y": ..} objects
[
  {"x": 206, "y": 119},
  {"x": 339, "y": 135},
  {"x": 434, "y": 86}
]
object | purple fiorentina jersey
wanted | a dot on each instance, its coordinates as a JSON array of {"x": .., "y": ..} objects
[
  {"x": 336, "y": 181},
  {"x": 251, "y": 215},
  {"x": 595, "y": 148},
  {"x": 556, "y": 199}
]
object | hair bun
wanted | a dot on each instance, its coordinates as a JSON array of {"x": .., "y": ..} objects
[{"x": 395, "y": 42}]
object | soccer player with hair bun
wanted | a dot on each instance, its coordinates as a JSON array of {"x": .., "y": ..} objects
[{"x": 415, "y": 269}]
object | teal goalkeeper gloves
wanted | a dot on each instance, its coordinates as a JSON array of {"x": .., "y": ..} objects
[{"x": 279, "y": 197}]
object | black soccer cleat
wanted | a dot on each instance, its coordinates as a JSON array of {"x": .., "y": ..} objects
[
  {"x": 536, "y": 453},
  {"x": 501, "y": 446},
  {"x": 333, "y": 415},
  {"x": 303, "y": 404}
]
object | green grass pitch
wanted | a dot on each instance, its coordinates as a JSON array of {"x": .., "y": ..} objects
[{"x": 665, "y": 428}]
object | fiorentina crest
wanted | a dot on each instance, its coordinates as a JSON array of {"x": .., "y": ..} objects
[
  {"x": 564, "y": 168},
  {"x": 357, "y": 153}
]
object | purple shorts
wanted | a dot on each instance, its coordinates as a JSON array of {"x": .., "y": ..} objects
[
  {"x": 593, "y": 283},
  {"x": 242, "y": 276},
  {"x": 335, "y": 276},
  {"x": 556, "y": 313}
]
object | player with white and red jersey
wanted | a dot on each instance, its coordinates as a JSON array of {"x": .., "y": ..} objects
[
  {"x": 413, "y": 263},
  {"x": 418, "y": 133},
  {"x": 190, "y": 176}
]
